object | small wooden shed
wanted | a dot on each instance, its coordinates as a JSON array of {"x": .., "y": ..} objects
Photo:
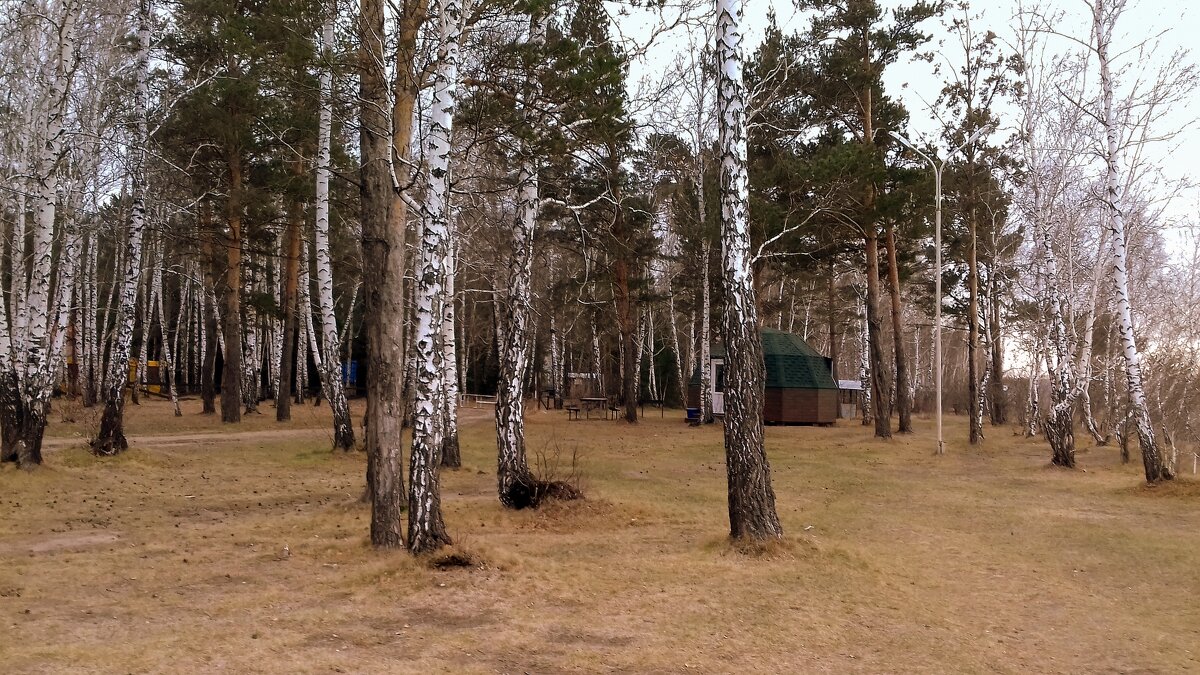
[
  {"x": 800, "y": 388},
  {"x": 851, "y": 391}
]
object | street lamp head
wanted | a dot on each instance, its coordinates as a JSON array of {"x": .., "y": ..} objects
[
  {"x": 972, "y": 138},
  {"x": 978, "y": 133},
  {"x": 900, "y": 138}
]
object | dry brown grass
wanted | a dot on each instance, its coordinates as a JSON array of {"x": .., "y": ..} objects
[{"x": 172, "y": 558}]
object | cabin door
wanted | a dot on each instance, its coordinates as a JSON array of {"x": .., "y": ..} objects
[{"x": 718, "y": 383}]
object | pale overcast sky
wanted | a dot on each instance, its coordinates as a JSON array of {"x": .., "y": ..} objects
[{"x": 1175, "y": 22}]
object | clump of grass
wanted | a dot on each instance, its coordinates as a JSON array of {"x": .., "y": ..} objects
[
  {"x": 776, "y": 548},
  {"x": 1183, "y": 487},
  {"x": 558, "y": 479},
  {"x": 455, "y": 557}
]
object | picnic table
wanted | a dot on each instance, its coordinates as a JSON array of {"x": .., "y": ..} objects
[{"x": 590, "y": 403}]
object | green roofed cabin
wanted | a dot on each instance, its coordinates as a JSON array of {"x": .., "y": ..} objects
[{"x": 800, "y": 388}]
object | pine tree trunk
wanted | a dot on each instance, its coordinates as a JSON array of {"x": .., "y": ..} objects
[
  {"x": 384, "y": 223},
  {"x": 1158, "y": 468},
  {"x": 975, "y": 421},
  {"x": 231, "y": 312},
  {"x": 903, "y": 392},
  {"x": 208, "y": 375},
  {"x": 879, "y": 388},
  {"x": 999, "y": 408},
  {"x": 287, "y": 355},
  {"x": 752, "y": 512},
  {"x": 630, "y": 374}
]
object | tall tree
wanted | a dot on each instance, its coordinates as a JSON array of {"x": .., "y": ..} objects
[
  {"x": 851, "y": 44},
  {"x": 1105, "y": 14},
  {"x": 752, "y": 512},
  {"x": 384, "y": 220},
  {"x": 38, "y": 324},
  {"x": 331, "y": 374},
  {"x": 977, "y": 86},
  {"x": 111, "y": 438},
  {"x": 426, "y": 529}
]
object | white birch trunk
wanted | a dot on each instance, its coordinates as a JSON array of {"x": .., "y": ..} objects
[
  {"x": 343, "y": 428},
  {"x": 167, "y": 363},
  {"x": 1158, "y": 468},
  {"x": 426, "y": 529},
  {"x": 250, "y": 369},
  {"x": 516, "y": 486},
  {"x": 34, "y": 374},
  {"x": 597, "y": 361},
  {"x": 451, "y": 456},
  {"x": 864, "y": 369},
  {"x": 675, "y": 347},
  {"x": 752, "y": 513}
]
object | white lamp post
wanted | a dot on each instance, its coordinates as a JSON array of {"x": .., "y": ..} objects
[{"x": 938, "y": 165}]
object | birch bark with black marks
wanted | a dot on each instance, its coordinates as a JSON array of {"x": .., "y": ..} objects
[
  {"x": 335, "y": 393},
  {"x": 166, "y": 360},
  {"x": 864, "y": 368},
  {"x": 706, "y": 375},
  {"x": 1157, "y": 467},
  {"x": 249, "y": 374},
  {"x": 515, "y": 483},
  {"x": 451, "y": 456},
  {"x": 111, "y": 439},
  {"x": 752, "y": 513},
  {"x": 426, "y": 528}
]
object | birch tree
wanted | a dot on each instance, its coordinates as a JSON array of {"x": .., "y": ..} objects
[
  {"x": 331, "y": 374},
  {"x": 1105, "y": 14},
  {"x": 426, "y": 529},
  {"x": 37, "y": 321},
  {"x": 516, "y": 485},
  {"x": 752, "y": 512},
  {"x": 111, "y": 439}
]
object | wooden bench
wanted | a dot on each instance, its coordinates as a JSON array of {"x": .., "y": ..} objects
[{"x": 572, "y": 412}]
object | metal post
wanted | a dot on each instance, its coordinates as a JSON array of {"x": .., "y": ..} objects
[
  {"x": 938, "y": 165},
  {"x": 937, "y": 294}
]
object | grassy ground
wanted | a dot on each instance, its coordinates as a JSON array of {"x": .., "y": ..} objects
[{"x": 171, "y": 559}]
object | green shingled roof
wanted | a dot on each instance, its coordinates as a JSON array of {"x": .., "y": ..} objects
[{"x": 791, "y": 363}]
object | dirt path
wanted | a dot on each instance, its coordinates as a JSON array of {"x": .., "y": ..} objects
[
  {"x": 465, "y": 414},
  {"x": 160, "y": 440}
]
